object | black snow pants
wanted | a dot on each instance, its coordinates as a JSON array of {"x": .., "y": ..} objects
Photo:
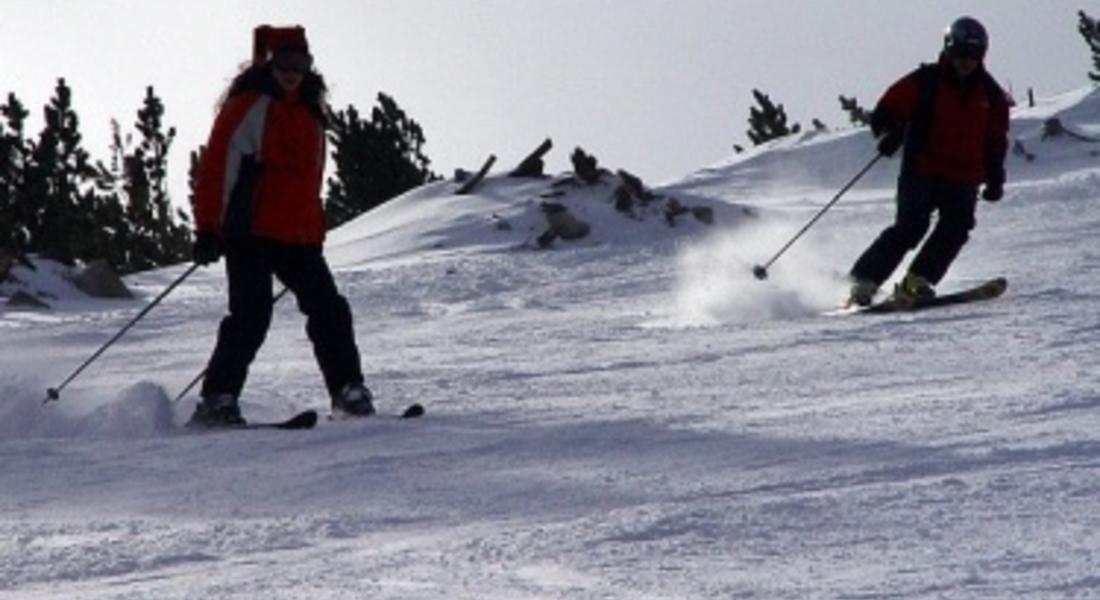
[
  {"x": 917, "y": 198},
  {"x": 250, "y": 264}
]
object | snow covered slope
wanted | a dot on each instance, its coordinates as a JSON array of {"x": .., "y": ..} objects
[{"x": 630, "y": 415}]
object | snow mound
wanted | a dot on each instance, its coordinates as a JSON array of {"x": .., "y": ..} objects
[
  {"x": 140, "y": 410},
  {"x": 510, "y": 213},
  {"x": 36, "y": 282}
]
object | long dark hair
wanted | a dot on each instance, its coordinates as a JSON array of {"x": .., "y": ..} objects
[{"x": 259, "y": 78}]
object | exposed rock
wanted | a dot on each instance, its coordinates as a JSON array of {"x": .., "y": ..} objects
[
  {"x": 533, "y": 165},
  {"x": 624, "y": 200},
  {"x": 586, "y": 167},
  {"x": 703, "y": 214},
  {"x": 9, "y": 257},
  {"x": 634, "y": 186},
  {"x": 6, "y": 263},
  {"x": 674, "y": 209},
  {"x": 22, "y": 299},
  {"x": 99, "y": 280},
  {"x": 471, "y": 182},
  {"x": 632, "y": 193},
  {"x": 1053, "y": 127},
  {"x": 562, "y": 225}
]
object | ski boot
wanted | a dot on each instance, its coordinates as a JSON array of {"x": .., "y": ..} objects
[
  {"x": 217, "y": 411},
  {"x": 862, "y": 293},
  {"x": 353, "y": 400},
  {"x": 913, "y": 289}
]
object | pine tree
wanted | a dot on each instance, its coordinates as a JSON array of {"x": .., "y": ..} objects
[
  {"x": 769, "y": 121},
  {"x": 60, "y": 227},
  {"x": 110, "y": 239},
  {"x": 14, "y": 150},
  {"x": 160, "y": 239},
  {"x": 856, "y": 113},
  {"x": 110, "y": 203},
  {"x": 110, "y": 209},
  {"x": 1089, "y": 29},
  {"x": 54, "y": 201},
  {"x": 375, "y": 160},
  {"x": 133, "y": 207}
]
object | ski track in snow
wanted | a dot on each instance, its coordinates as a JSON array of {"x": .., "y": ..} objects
[{"x": 634, "y": 420}]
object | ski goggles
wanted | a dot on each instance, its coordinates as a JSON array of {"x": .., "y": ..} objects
[{"x": 292, "y": 61}]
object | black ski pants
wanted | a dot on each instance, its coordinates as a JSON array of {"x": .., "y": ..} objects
[
  {"x": 917, "y": 198},
  {"x": 250, "y": 264}
]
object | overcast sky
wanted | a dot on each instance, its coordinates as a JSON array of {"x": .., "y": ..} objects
[{"x": 659, "y": 87}]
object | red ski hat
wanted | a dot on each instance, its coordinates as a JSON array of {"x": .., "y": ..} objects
[{"x": 267, "y": 40}]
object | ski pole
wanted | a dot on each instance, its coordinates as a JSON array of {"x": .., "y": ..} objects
[
  {"x": 761, "y": 271},
  {"x": 201, "y": 375},
  {"x": 55, "y": 393}
]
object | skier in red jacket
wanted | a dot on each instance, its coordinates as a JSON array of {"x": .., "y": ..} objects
[
  {"x": 952, "y": 119},
  {"x": 257, "y": 200}
]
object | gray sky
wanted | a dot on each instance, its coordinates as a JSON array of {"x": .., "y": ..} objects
[{"x": 659, "y": 87}]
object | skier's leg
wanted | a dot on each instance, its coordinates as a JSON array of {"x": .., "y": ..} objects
[
  {"x": 243, "y": 330},
  {"x": 957, "y": 203},
  {"x": 911, "y": 221},
  {"x": 329, "y": 325}
]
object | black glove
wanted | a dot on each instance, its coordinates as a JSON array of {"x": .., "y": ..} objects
[
  {"x": 882, "y": 121},
  {"x": 890, "y": 141},
  {"x": 207, "y": 248},
  {"x": 994, "y": 183},
  {"x": 993, "y": 192}
]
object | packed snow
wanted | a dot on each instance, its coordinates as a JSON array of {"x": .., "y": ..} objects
[{"x": 629, "y": 415}]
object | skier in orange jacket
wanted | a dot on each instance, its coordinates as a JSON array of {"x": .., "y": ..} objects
[{"x": 257, "y": 201}]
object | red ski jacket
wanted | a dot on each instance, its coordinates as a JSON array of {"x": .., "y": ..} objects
[
  {"x": 262, "y": 170},
  {"x": 957, "y": 129}
]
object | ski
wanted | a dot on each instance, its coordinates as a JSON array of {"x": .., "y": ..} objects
[
  {"x": 307, "y": 419},
  {"x": 304, "y": 420},
  {"x": 412, "y": 411},
  {"x": 987, "y": 290}
]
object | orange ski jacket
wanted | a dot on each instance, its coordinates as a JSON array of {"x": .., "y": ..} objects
[
  {"x": 957, "y": 129},
  {"x": 262, "y": 170}
]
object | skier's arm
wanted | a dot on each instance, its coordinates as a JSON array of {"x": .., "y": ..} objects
[
  {"x": 896, "y": 106},
  {"x": 214, "y": 176},
  {"x": 996, "y": 148},
  {"x": 892, "y": 113}
]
